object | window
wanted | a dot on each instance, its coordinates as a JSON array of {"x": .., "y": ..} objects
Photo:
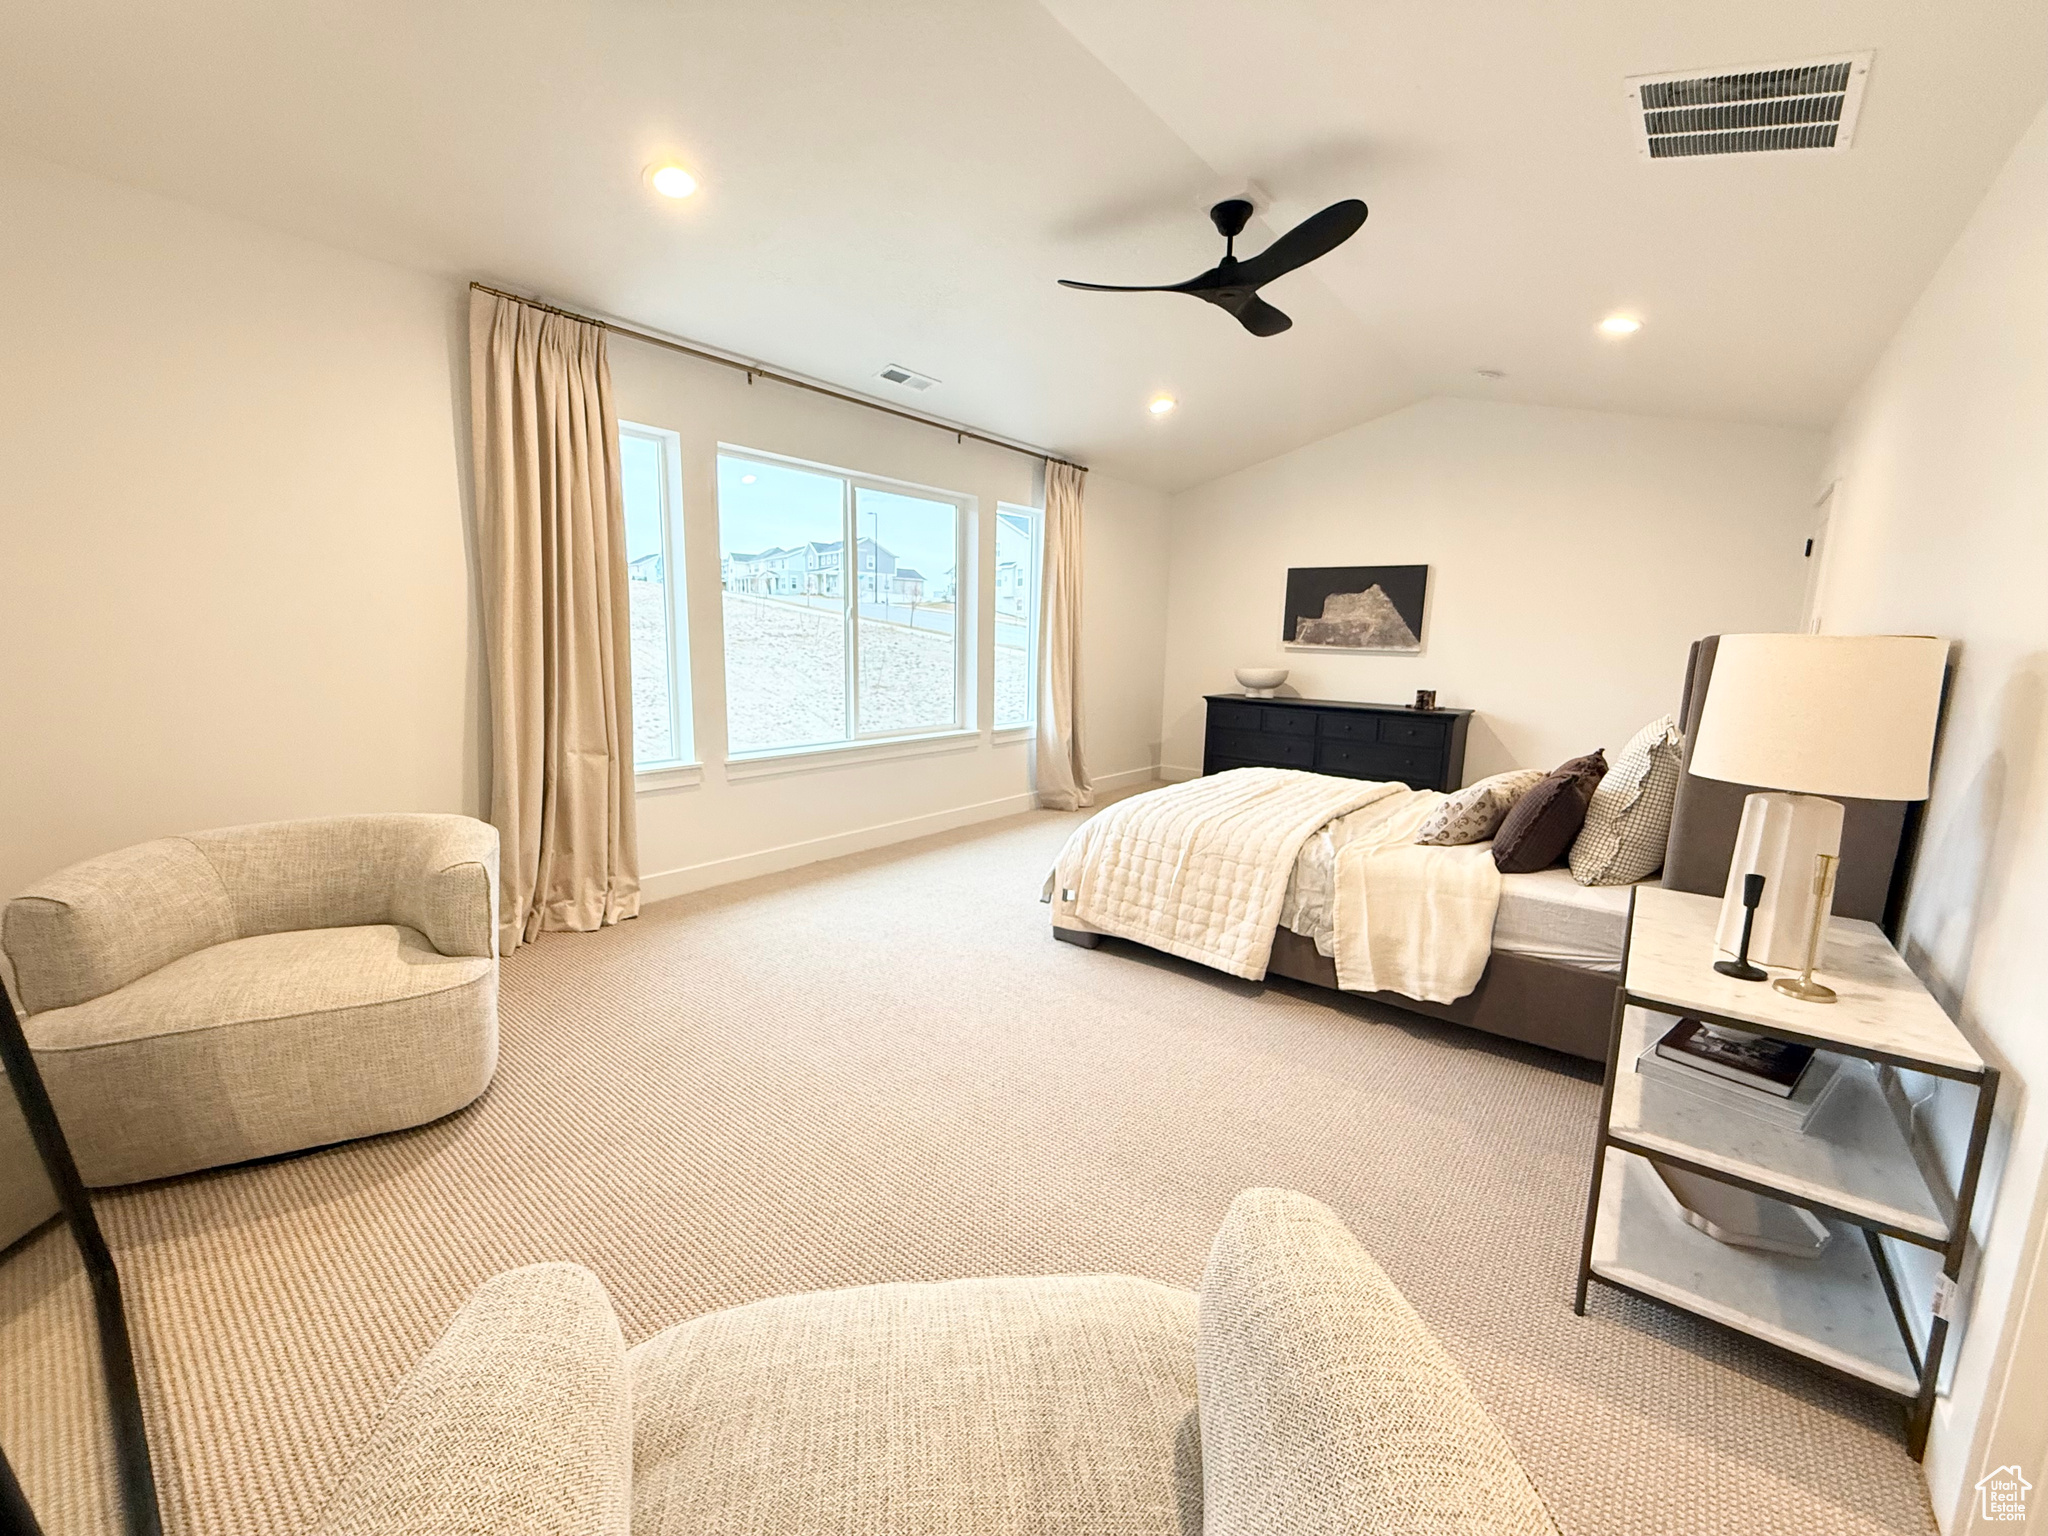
[
  {"x": 648, "y": 471},
  {"x": 1019, "y": 557},
  {"x": 821, "y": 647}
]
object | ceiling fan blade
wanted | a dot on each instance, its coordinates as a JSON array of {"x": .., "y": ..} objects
[
  {"x": 1317, "y": 235},
  {"x": 1067, "y": 282},
  {"x": 1261, "y": 318}
]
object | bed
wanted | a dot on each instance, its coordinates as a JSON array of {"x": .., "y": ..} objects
[{"x": 1556, "y": 946}]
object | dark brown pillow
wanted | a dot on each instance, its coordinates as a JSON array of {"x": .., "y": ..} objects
[{"x": 1539, "y": 830}]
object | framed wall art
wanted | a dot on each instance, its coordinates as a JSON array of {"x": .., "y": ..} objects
[{"x": 1356, "y": 608}]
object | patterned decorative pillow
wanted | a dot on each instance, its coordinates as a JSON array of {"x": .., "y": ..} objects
[
  {"x": 1474, "y": 813},
  {"x": 1629, "y": 819}
]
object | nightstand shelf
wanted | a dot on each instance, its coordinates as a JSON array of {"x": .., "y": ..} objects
[
  {"x": 1854, "y": 1160},
  {"x": 1855, "y": 1166},
  {"x": 1833, "y": 1309}
]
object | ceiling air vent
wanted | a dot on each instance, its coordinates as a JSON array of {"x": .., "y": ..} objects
[
  {"x": 1809, "y": 106},
  {"x": 899, "y": 375}
]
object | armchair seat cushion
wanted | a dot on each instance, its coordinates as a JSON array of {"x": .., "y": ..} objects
[
  {"x": 268, "y": 1044},
  {"x": 263, "y": 980},
  {"x": 970, "y": 1408}
]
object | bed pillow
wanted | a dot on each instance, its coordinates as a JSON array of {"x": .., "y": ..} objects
[
  {"x": 1629, "y": 818},
  {"x": 1475, "y": 813},
  {"x": 1543, "y": 823}
]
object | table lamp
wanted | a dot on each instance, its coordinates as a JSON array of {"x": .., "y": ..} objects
[{"x": 1811, "y": 717}]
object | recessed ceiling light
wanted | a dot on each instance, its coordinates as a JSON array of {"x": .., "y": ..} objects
[
  {"x": 1621, "y": 325},
  {"x": 1161, "y": 404},
  {"x": 746, "y": 479},
  {"x": 671, "y": 180}
]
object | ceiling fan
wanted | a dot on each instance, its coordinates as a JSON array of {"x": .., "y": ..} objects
[{"x": 1234, "y": 285}]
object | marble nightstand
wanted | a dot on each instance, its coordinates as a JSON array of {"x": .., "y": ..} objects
[{"x": 1860, "y": 1166}]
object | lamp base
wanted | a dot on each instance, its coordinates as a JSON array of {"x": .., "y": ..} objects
[
  {"x": 1741, "y": 970},
  {"x": 1779, "y": 838},
  {"x": 1806, "y": 990}
]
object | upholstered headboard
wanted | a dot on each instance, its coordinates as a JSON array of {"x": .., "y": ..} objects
[{"x": 1707, "y": 813}]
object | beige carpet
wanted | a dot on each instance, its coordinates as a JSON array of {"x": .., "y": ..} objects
[{"x": 884, "y": 1069}]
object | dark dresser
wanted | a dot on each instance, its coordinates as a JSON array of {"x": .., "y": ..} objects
[{"x": 1424, "y": 749}]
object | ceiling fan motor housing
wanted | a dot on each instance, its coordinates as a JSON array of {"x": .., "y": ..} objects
[{"x": 1230, "y": 217}]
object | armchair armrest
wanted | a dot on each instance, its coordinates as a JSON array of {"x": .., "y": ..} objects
[
  {"x": 450, "y": 890},
  {"x": 92, "y": 927}
]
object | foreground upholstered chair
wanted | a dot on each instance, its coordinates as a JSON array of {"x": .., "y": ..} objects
[
  {"x": 203, "y": 1000},
  {"x": 1298, "y": 1394}
]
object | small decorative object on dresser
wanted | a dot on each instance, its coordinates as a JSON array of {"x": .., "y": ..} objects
[
  {"x": 1353, "y": 741},
  {"x": 1356, "y": 608},
  {"x": 1425, "y": 698},
  {"x": 1260, "y": 682}
]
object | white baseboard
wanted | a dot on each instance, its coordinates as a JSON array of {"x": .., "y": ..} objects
[
  {"x": 770, "y": 861},
  {"x": 1129, "y": 777},
  {"x": 1174, "y": 773}
]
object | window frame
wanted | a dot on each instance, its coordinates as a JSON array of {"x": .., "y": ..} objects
[
  {"x": 681, "y": 765},
  {"x": 1033, "y": 621},
  {"x": 856, "y": 744}
]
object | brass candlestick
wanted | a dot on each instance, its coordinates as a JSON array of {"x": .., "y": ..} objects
[{"x": 1803, "y": 986}]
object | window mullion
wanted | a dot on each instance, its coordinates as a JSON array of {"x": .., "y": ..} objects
[
  {"x": 964, "y": 655},
  {"x": 849, "y": 596},
  {"x": 669, "y": 577}
]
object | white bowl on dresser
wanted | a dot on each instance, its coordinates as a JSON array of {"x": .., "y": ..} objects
[{"x": 1260, "y": 682}]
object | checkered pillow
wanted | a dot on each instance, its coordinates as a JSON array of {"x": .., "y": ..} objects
[
  {"x": 1629, "y": 820},
  {"x": 1474, "y": 814}
]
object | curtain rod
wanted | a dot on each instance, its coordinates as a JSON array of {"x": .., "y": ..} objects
[{"x": 755, "y": 371}]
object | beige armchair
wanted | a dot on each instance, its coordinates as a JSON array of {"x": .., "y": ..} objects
[
  {"x": 208, "y": 999},
  {"x": 1298, "y": 1393}
]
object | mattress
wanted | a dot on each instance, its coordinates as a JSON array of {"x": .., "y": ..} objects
[{"x": 1548, "y": 915}]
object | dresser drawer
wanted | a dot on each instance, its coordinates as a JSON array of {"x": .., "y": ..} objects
[
  {"x": 1263, "y": 748},
  {"x": 1350, "y": 727},
  {"x": 1289, "y": 722},
  {"x": 1235, "y": 717},
  {"x": 1359, "y": 761},
  {"x": 1425, "y": 732}
]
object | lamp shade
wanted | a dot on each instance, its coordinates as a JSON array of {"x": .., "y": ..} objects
[{"x": 1849, "y": 716}]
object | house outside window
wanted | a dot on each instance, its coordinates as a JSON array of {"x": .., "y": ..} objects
[{"x": 812, "y": 658}]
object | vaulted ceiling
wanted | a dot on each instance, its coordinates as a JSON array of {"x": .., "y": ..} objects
[{"x": 901, "y": 181}]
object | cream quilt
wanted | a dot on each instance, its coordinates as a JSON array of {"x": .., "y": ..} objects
[
  {"x": 1408, "y": 919},
  {"x": 1200, "y": 869}
]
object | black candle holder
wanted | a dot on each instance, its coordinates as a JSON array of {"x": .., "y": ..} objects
[{"x": 1739, "y": 967}]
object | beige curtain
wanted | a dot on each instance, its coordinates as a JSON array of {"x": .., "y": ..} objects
[
  {"x": 1062, "y": 774},
  {"x": 551, "y": 544}
]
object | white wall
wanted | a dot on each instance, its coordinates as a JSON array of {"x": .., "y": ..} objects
[
  {"x": 1573, "y": 555},
  {"x": 237, "y": 584},
  {"x": 235, "y": 578},
  {"x": 728, "y": 828},
  {"x": 1942, "y": 528}
]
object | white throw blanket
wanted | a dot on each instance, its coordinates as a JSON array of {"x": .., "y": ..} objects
[
  {"x": 1199, "y": 869},
  {"x": 1413, "y": 920}
]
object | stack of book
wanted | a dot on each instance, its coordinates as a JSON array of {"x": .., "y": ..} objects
[{"x": 1771, "y": 1080}]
